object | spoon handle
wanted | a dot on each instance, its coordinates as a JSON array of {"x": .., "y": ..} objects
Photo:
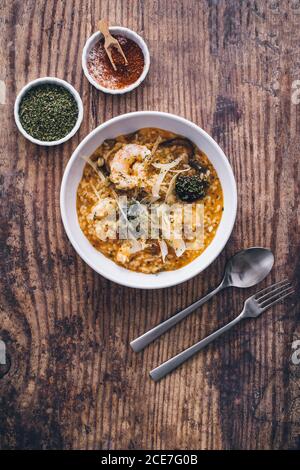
[{"x": 142, "y": 341}]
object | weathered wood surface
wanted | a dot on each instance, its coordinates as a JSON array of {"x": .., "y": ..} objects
[{"x": 72, "y": 380}]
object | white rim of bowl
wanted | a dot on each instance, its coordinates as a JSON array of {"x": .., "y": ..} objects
[
  {"x": 140, "y": 42},
  {"x": 77, "y": 247},
  {"x": 40, "y": 81}
]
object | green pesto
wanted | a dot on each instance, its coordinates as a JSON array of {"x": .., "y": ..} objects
[{"x": 190, "y": 188}]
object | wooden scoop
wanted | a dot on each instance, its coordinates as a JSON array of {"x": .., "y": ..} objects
[{"x": 110, "y": 42}]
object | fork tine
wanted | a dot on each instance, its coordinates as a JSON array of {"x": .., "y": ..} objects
[
  {"x": 267, "y": 301},
  {"x": 278, "y": 300},
  {"x": 272, "y": 291},
  {"x": 268, "y": 288}
]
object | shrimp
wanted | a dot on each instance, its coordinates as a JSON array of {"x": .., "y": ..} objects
[
  {"x": 104, "y": 215},
  {"x": 128, "y": 167},
  {"x": 103, "y": 208}
]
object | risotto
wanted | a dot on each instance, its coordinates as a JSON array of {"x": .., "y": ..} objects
[{"x": 150, "y": 201}]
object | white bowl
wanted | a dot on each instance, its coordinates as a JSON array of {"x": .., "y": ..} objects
[
  {"x": 126, "y": 124},
  {"x": 128, "y": 33},
  {"x": 42, "y": 81}
]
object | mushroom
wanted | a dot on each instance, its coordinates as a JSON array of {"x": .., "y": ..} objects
[{"x": 191, "y": 150}]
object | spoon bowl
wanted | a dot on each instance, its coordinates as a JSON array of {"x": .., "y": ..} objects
[{"x": 248, "y": 267}]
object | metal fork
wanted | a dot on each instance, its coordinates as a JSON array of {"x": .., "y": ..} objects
[
  {"x": 253, "y": 307},
  {"x": 109, "y": 42}
]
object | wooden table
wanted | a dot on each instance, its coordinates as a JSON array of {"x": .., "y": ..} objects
[{"x": 72, "y": 380}]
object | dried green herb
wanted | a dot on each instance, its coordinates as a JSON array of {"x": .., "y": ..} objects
[{"x": 48, "y": 112}]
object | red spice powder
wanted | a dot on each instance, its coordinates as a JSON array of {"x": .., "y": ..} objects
[{"x": 102, "y": 71}]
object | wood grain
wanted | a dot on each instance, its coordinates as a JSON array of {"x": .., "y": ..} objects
[{"x": 71, "y": 380}]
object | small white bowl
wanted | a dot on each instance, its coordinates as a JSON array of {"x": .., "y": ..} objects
[
  {"x": 126, "y": 124},
  {"x": 42, "y": 81},
  {"x": 128, "y": 33}
]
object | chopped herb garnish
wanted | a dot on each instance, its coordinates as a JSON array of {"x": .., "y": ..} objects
[
  {"x": 48, "y": 112},
  {"x": 190, "y": 188}
]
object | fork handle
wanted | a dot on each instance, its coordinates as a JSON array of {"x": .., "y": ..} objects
[
  {"x": 142, "y": 341},
  {"x": 168, "y": 366}
]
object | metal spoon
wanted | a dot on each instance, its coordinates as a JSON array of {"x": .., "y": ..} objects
[{"x": 245, "y": 269}]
